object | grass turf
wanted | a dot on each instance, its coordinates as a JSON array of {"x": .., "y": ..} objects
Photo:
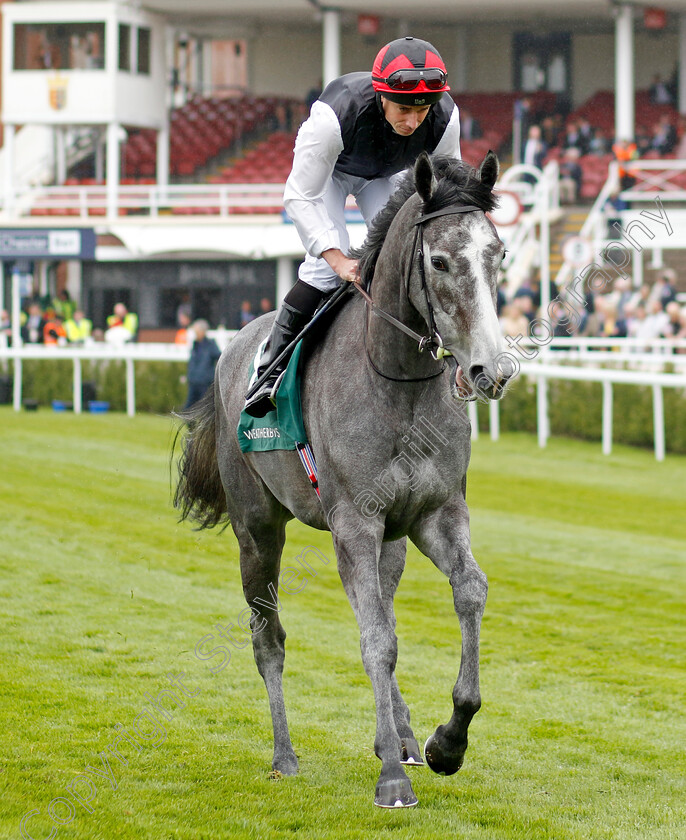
[{"x": 102, "y": 594}]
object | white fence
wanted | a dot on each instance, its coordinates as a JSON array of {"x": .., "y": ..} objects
[
  {"x": 128, "y": 353},
  {"x": 151, "y": 200},
  {"x": 543, "y": 369}
]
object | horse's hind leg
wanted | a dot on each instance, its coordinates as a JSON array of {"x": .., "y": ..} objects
[
  {"x": 444, "y": 537},
  {"x": 391, "y": 566},
  {"x": 260, "y": 553}
]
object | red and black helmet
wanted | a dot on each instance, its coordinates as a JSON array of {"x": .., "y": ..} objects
[{"x": 410, "y": 71}]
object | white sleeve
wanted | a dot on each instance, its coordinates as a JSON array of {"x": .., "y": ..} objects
[
  {"x": 317, "y": 147},
  {"x": 449, "y": 144}
]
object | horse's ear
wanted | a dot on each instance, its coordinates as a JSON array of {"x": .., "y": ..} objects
[
  {"x": 424, "y": 176},
  {"x": 489, "y": 169}
]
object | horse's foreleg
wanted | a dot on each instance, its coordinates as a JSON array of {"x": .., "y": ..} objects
[
  {"x": 359, "y": 570},
  {"x": 444, "y": 537},
  {"x": 391, "y": 567},
  {"x": 260, "y": 552}
]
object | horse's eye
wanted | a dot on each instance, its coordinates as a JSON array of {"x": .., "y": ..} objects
[
  {"x": 504, "y": 255},
  {"x": 438, "y": 264}
]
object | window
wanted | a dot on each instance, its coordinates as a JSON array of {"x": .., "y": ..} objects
[
  {"x": 125, "y": 47},
  {"x": 59, "y": 46},
  {"x": 144, "y": 51}
]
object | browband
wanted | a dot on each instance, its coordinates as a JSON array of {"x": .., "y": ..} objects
[{"x": 447, "y": 211}]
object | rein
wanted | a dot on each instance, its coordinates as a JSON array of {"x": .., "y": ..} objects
[{"x": 433, "y": 341}]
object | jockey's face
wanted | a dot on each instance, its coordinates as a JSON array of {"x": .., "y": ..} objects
[{"x": 404, "y": 119}]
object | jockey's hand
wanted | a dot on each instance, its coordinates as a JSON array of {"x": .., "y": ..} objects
[{"x": 344, "y": 267}]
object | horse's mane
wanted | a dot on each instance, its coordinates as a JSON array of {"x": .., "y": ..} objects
[{"x": 458, "y": 183}]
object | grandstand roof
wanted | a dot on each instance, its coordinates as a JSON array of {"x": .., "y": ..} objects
[{"x": 302, "y": 11}]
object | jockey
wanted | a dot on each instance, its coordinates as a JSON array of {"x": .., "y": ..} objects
[{"x": 362, "y": 132}]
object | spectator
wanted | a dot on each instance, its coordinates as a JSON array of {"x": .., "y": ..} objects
[
  {"x": 664, "y": 137},
  {"x": 682, "y": 329},
  {"x": 265, "y": 306},
  {"x": 63, "y": 304},
  {"x": 470, "y": 129},
  {"x": 501, "y": 296},
  {"x": 571, "y": 176},
  {"x": 613, "y": 208},
  {"x": 525, "y": 305},
  {"x": 659, "y": 92},
  {"x": 600, "y": 144},
  {"x": 586, "y": 134},
  {"x": 571, "y": 135},
  {"x": 184, "y": 309},
  {"x": 550, "y": 131},
  {"x": 625, "y": 151},
  {"x": 672, "y": 327},
  {"x": 513, "y": 321},
  {"x": 664, "y": 289},
  {"x": 656, "y": 320},
  {"x": 281, "y": 118},
  {"x": 54, "y": 332},
  {"x": 636, "y": 316},
  {"x": 202, "y": 362},
  {"x": 5, "y": 328},
  {"x": 122, "y": 326},
  {"x": 246, "y": 315},
  {"x": 79, "y": 329},
  {"x": 535, "y": 149},
  {"x": 184, "y": 334},
  {"x": 623, "y": 296},
  {"x": 563, "y": 325},
  {"x": 32, "y": 325},
  {"x": 524, "y": 118},
  {"x": 644, "y": 140},
  {"x": 640, "y": 298}
]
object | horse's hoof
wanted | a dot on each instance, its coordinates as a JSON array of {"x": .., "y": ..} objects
[
  {"x": 440, "y": 758},
  {"x": 410, "y": 753},
  {"x": 286, "y": 765},
  {"x": 396, "y": 793}
]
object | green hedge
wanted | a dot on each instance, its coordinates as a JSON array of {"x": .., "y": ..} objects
[
  {"x": 575, "y": 407},
  {"x": 576, "y": 410},
  {"x": 160, "y": 386}
]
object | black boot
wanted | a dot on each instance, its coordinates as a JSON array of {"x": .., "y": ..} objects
[{"x": 295, "y": 312}]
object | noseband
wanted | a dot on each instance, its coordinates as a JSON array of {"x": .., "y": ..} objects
[{"x": 433, "y": 341}]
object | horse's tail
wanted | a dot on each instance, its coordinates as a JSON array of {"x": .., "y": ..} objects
[{"x": 199, "y": 491}]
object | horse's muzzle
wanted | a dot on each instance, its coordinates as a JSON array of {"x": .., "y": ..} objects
[{"x": 488, "y": 384}]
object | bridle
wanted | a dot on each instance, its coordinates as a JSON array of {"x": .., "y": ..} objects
[{"x": 433, "y": 341}]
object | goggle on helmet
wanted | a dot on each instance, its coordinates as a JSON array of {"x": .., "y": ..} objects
[{"x": 410, "y": 71}]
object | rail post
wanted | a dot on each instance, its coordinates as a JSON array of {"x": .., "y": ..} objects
[
  {"x": 607, "y": 418},
  {"x": 659, "y": 422}
]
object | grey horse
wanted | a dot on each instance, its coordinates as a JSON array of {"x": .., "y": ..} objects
[{"x": 392, "y": 441}]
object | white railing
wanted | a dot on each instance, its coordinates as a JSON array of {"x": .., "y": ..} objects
[
  {"x": 656, "y": 177},
  {"x": 634, "y": 353},
  {"x": 529, "y": 242},
  {"x": 152, "y": 200},
  {"x": 540, "y": 370},
  {"x": 128, "y": 353}
]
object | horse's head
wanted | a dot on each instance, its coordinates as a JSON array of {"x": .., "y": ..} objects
[{"x": 457, "y": 270}]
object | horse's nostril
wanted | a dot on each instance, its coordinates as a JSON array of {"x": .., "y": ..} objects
[{"x": 478, "y": 375}]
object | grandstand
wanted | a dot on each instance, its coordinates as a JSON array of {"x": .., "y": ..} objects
[{"x": 181, "y": 153}]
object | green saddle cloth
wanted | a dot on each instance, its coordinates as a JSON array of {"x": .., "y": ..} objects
[{"x": 283, "y": 427}]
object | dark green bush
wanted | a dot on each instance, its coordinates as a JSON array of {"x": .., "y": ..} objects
[
  {"x": 575, "y": 408},
  {"x": 159, "y": 385}
]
